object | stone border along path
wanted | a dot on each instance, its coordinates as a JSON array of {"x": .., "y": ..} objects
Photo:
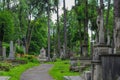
[
  {"x": 4, "y": 77},
  {"x": 37, "y": 73}
]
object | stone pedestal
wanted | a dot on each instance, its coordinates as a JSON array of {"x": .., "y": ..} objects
[
  {"x": 85, "y": 50},
  {"x": 99, "y": 49},
  {"x": 97, "y": 70},
  {"x": 42, "y": 56}
]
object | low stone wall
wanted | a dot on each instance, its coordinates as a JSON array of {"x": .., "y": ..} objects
[{"x": 110, "y": 67}]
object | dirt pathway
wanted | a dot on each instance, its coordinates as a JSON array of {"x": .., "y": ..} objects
[{"x": 37, "y": 73}]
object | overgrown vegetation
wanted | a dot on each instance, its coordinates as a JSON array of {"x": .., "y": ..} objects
[{"x": 60, "y": 69}]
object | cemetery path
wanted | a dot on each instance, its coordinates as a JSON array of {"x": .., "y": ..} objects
[{"x": 37, "y": 73}]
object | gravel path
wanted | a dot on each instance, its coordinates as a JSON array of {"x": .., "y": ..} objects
[{"x": 37, "y": 73}]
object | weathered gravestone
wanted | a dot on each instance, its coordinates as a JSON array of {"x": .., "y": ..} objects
[
  {"x": 62, "y": 52},
  {"x": 54, "y": 57},
  {"x": 42, "y": 56},
  {"x": 4, "y": 53},
  {"x": 12, "y": 52},
  {"x": 85, "y": 50}
]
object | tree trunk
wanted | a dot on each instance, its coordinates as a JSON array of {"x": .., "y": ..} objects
[
  {"x": 0, "y": 48},
  {"x": 80, "y": 37},
  {"x": 3, "y": 5},
  {"x": 65, "y": 29},
  {"x": 48, "y": 30},
  {"x": 8, "y": 4},
  {"x": 1, "y": 37},
  {"x": 107, "y": 19},
  {"x": 117, "y": 25},
  {"x": 58, "y": 30}
]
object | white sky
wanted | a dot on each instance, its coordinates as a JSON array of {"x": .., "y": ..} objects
[{"x": 69, "y": 4}]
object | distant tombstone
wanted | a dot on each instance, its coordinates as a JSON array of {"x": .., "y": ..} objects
[
  {"x": 43, "y": 53},
  {"x": 54, "y": 57},
  {"x": 12, "y": 53},
  {"x": 42, "y": 56},
  {"x": 4, "y": 52},
  {"x": 62, "y": 54}
]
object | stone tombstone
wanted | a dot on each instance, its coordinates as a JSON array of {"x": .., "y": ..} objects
[
  {"x": 62, "y": 52},
  {"x": 12, "y": 53},
  {"x": 4, "y": 52},
  {"x": 42, "y": 57},
  {"x": 85, "y": 50},
  {"x": 117, "y": 35},
  {"x": 42, "y": 53},
  {"x": 54, "y": 57}
]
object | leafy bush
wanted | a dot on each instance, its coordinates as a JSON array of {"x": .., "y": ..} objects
[
  {"x": 6, "y": 18},
  {"x": 31, "y": 58},
  {"x": 19, "y": 49},
  {"x": 5, "y": 66}
]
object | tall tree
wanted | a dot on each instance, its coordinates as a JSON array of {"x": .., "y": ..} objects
[
  {"x": 58, "y": 26},
  {"x": 48, "y": 11},
  {"x": 65, "y": 28}
]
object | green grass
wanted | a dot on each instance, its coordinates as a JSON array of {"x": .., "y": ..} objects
[
  {"x": 16, "y": 72},
  {"x": 60, "y": 69}
]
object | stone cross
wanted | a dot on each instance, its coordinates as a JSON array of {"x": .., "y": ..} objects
[
  {"x": 4, "y": 52},
  {"x": 100, "y": 25},
  {"x": 12, "y": 53}
]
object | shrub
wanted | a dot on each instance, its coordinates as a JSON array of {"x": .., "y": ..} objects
[
  {"x": 19, "y": 49},
  {"x": 5, "y": 66},
  {"x": 31, "y": 58}
]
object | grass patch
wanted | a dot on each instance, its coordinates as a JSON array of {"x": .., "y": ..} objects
[
  {"x": 60, "y": 69},
  {"x": 16, "y": 72}
]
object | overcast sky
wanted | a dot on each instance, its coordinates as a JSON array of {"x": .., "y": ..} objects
[{"x": 69, "y": 4}]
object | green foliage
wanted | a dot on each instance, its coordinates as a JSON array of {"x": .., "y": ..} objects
[
  {"x": 15, "y": 73},
  {"x": 30, "y": 58},
  {"x": 6, "y": 18},
  {"x": 5, "y": 66},
  {"x": 60, "y": 69},
  {"x": 39, "y": 37},
  {"x": 19, "y": 49}
]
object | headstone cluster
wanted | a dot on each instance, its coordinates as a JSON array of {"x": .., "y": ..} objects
[{"x": 11, "y": 52}]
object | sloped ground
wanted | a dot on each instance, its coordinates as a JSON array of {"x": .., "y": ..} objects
[{"x": 37, "y": 73}]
